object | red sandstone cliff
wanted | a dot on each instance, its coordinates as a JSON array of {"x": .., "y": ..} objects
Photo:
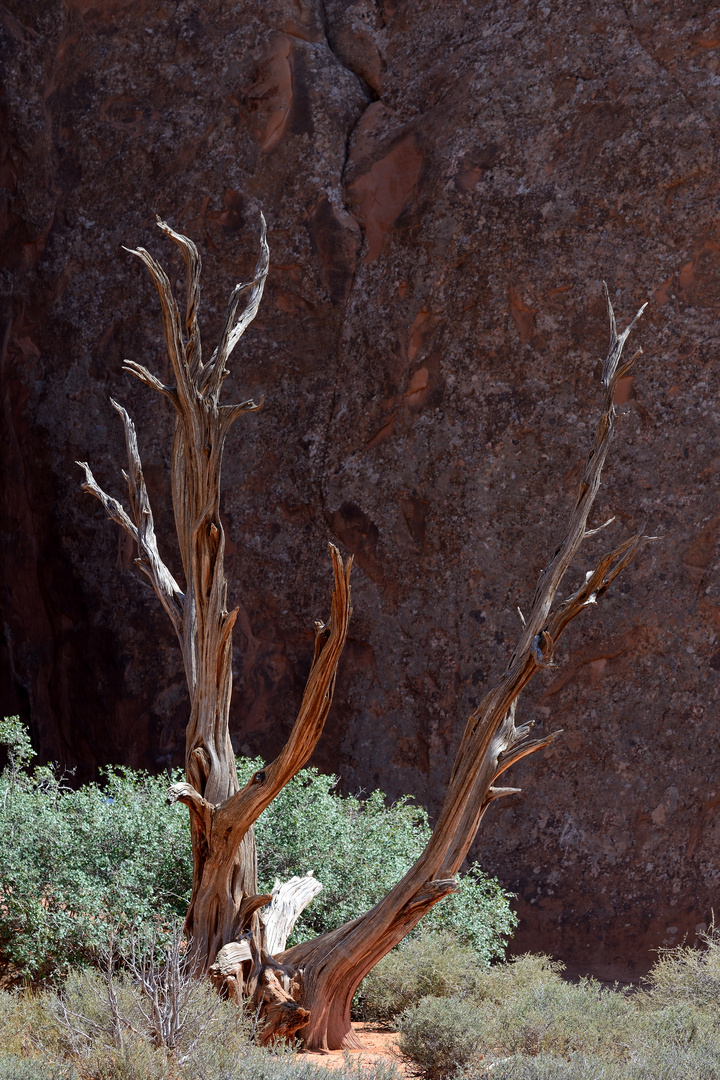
[{"x": 445, "y": 186}]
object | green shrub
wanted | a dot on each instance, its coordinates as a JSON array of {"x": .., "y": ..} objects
[
  {"x": 360, "y": 848},
  {"x": 76, "y": 865},
  {"x": 433, "y": 964},
  {"x": 439, "y": 1035}
]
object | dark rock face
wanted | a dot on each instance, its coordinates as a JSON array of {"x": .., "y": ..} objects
[{"x": 445, "y": 186}]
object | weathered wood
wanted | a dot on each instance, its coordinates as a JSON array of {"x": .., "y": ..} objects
[
  {"x": 289, "y": 899},
  {"x": 231, "y": 967},
  {"x": 222, "y": 815},
  {"x": 334, "y": 964}
]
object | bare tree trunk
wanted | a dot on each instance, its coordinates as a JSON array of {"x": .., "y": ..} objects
[
  {"x": 311, "y": 985},
  {"x": 224, "y": 896}
]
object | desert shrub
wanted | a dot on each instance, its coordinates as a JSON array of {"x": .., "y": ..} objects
[
  {"x": 662, "y": 1062},
  {"x": 76, "y": 865},
  {"x": 527, "y": 1007},
  {"x": 13, "y": 1067},
  {"x": 257, "y": 1064},
  {"x": 433, "y": 964},
  {"x": 439, "y": 1035},
  {"x": 73, "y": 1034},
  {"x": 535, "y": 1026},
  {"x": 688, "y": 974},
  {"x": 359, "y": 848}
]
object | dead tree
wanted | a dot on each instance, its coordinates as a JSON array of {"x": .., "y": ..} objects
[
  {"x": 310, "y": 986},
  {"x": 225, "y": 896}
]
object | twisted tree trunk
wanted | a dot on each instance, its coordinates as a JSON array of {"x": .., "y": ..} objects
[
  {"x": 224, "y": 896},
  {"x": 335, "y": 964},
  {"x": 311, "y": 985}
]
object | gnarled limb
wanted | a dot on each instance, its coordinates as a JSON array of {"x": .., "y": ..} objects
[
  {"x": 233, "y": 819},
  {"x": 335, "y": 964},
  {"x": 225, "y": 897}
]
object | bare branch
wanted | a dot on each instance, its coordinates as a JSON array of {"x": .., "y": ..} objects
[
  {"x": 193, "y": 269},
  {"x": 500, "y": 792},
  {"x": 112, "y": 507},
  {"x": 169, "y": 592},
  {"x": 230, "y": 413},
  {"x": 245, "y": 807},
  {"x": 171, "y": 324},
  {"x": 593, "y": 532},
  {"x": 150, "y": 380},
  {"x": 521, "y": 750},
  {"x": 554, "y": 572},
  {"x": 335, "y": 963},
  {"x": 233, "y": 330}
]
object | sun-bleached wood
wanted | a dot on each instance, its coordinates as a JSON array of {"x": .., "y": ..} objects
[
  {"x": 289, "y": 899},
  {"x": 309, "y": 987}
]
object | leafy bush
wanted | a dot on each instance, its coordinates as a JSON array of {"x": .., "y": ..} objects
[
  {"x": 432, "y": 964},
  {"x": 76, "y": 865},
  {"x": 360, "y": 848},
  {"x": 439, "y": 1035}
]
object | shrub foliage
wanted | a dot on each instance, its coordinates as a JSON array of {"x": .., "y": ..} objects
[{"x": 78, "y": 864}]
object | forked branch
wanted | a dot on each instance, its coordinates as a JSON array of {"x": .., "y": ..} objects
[{"x": 142, "y": 528}]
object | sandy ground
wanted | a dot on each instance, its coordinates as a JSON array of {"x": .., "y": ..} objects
[{"x": 379, "y": 1045}]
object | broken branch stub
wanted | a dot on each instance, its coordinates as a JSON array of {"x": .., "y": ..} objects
[{"x": 289, "y": 899}]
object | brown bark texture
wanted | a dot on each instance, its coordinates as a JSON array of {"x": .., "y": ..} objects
[{"x": 309, "y": 988}]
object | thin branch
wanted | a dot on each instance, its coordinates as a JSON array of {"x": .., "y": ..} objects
[
  {"x": 494, "y": 793},
  {"x": 171, "y": 325},
  {"x": 230, "y": 413},
  {"x": 554, "y": 572},
  {"x": 521, "y": 750},
  {"x": 193, "y": 269},
  {"x": 112, "y": 507},
  {"x": 233, "y": 330},
  {"x": 150, "y": 380},
  {"x": 169, "y": 592}
]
